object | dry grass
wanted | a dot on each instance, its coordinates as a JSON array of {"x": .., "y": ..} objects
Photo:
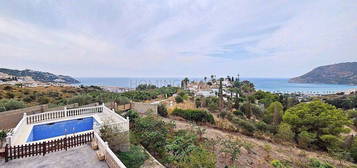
[
  {"x": 187, "y": 104},
  {"x": 19, "y": 93}
]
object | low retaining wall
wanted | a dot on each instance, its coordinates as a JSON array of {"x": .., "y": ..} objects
[
  {"x": 9, "y": 119},
  {"x": 111, "y": 159}
]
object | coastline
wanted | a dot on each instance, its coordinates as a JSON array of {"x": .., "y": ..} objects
[{"x": 276, "y": 85}]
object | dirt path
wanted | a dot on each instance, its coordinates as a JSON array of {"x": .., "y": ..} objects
[{"x": 261, "y": 156}]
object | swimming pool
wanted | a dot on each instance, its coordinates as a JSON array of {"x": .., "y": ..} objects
[{"x": 50, "y": 130}]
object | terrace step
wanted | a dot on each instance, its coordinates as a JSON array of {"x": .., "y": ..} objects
[
  {"x": 100, "y": 155},
  {"x": 94, "y": 145}
]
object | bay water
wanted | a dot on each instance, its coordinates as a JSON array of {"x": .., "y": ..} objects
[{"x": 280, "y": 85}]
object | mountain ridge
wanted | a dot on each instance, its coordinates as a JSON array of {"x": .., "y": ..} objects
[
  {"x": 341, "y": 73},
  {"x": 39, "y": 76}
]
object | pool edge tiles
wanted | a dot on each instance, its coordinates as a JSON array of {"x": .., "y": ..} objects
[{"x": 57, "y": 129}]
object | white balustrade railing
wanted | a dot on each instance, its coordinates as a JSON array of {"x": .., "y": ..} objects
[
  {"x": 119, "y": 126},
  {"x": 35, "y": 118},
  {"x": 31, "y": 119},
  {"x": 114, "y": 113},
  {"x": 85, "y": 110},
  {"x": 122, "y": 125}
]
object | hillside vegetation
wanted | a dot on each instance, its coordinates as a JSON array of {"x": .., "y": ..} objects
[
  {"x": 14, "y": 97},
  {"x": 281, "y": 130}
]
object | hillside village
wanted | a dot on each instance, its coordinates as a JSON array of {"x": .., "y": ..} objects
[{"x": 31, "y": 78}]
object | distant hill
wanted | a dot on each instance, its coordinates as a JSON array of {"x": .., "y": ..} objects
[
  {"x": 39, "y": 76},
  {"x": 342, "y": 73}
]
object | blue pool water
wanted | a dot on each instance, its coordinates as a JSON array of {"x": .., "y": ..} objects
[{"x": 61, "y": 128}]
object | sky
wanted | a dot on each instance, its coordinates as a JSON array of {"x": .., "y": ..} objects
[{"x": 177, "y": 38}]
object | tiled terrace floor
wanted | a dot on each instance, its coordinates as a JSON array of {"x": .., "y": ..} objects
[{"x": 78, "y": 157}]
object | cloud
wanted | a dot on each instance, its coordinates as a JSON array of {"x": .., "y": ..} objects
[
  {"x": 23, "y": 43},
  {"x": 324, "y": 33},
  {"x": 177, "y": 37}
]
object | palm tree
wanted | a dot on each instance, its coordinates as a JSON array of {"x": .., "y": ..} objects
[
  {"x": 228, "y": 78},
  {"x": 213, "y": 78}
]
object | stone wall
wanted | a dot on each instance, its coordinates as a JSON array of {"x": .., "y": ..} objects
[
  {"x": 144, "y": 108},
  {"x": 116, "y": 107}
]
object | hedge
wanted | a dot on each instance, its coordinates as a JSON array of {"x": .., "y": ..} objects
[{"x": 194, "y": 115}]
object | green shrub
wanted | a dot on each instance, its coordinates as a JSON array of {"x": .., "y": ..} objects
[
  {"x": 246, "y": 109},
  {"x": 257, "y": 111},
  {"x": 162, "y": 110},
  {"x": 133, "y": 115},
  {"x": 331, "y": 142},
  {"x": 178, "y": 99},
  {"x": 194, "y": 115},
  {"x": 43, "y": 100},
  {"x": 199, "y": 158},
  {"x": 272, "y": 129},
  {"x": 305, "y": 139},
  {"x": 8, "y": 88},
  {"x": 353, "y": 150},
  {"x": 285, "y": 133},
  {"x": 211, "y": 103},
  {"x": 11, "y": 104},
  {"x": 352, "y": 114},
  {"x": 182, "y": 94},
  {"x": 247, "y": 127},
  {"x": 152, "y": 133},
  {"x": 318, "y": 119},
  {"x": 223, "y": 114},
  {"x": 198, "y": 102},
  {"x": 261, "y": 126},
  {"x": 134, "y": 158},
  {"x": 274, "y": 113},
  {"x": 81, "y": 100},
  {"x": 2, "y": 135},
  {"x": 28, "y": 99},
  {"x": 181, "y": 145},
  {"x": 54, "y": 94},
  {"x": 238, "y": 113},
  {"x": 122, "y": 100},
  {"x": 9, "y": 95},
  {"x": 145, "y": 87},
  {"x": 314, "y": 163},
  {"x": 278, "y": 164},
  {"x": 213, "y": 107}
]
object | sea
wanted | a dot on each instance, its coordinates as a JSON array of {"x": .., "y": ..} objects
[{"x": 277, "y": 85}]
